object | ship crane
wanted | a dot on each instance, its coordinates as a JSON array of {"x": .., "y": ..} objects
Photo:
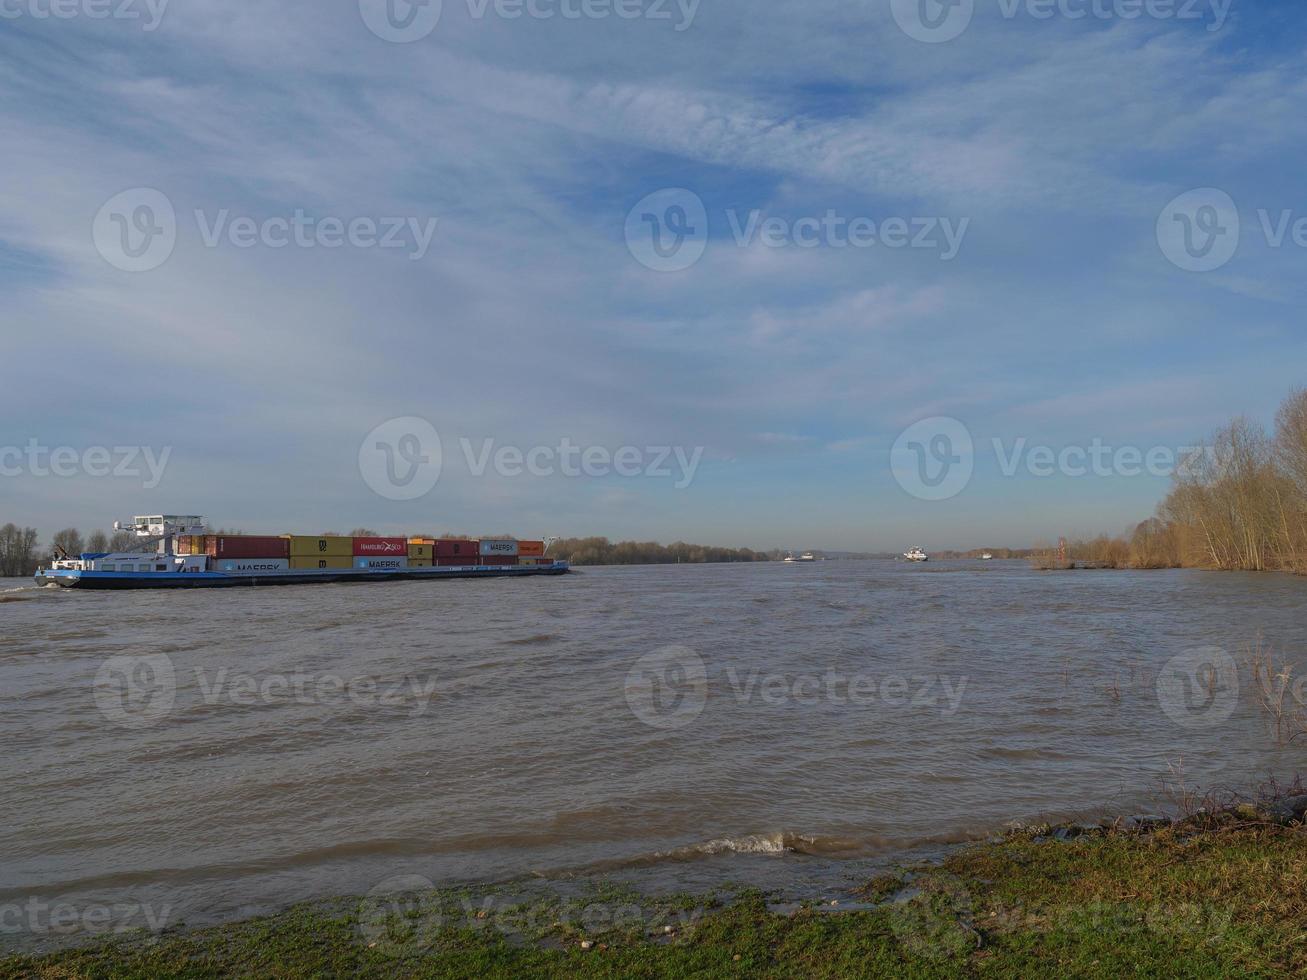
[{"x": 163, "y": 527}]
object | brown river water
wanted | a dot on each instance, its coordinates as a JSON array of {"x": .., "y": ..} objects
[{"x": 214, "y": 754}]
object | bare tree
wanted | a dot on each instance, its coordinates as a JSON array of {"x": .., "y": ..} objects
[
  {"x": 17, "y": 551},
  {"x": 70, "y": 540}
]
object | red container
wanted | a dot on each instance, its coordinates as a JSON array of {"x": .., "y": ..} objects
[
  {"x": 381, "y": 547},
  {"x": 452, "y": 562},
  {"x": 499, "y": 559},
  {"x": 451, "y": 548},
  {"x": 246, "y": 546}
]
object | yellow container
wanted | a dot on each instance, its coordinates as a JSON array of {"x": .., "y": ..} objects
[
  {"x": 421, "y": 549},
  {"x": 306, "y": 547},
  {"x": 302, "y": 563},
  {"x": 419, "y": 562}
]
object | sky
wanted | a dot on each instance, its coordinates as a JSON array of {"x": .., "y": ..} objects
[{"x": 852, "y": 275}]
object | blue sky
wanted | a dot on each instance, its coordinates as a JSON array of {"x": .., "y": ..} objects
[{"x": 529, "y": 319}]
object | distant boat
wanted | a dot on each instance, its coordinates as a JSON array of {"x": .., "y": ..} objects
[
  {"x": 986, "y": 557},
  {"x": 806, "y": 556},
  {"x": 916, "y": 554}
]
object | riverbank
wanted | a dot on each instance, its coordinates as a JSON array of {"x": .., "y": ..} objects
[{"x": 1213, "y": 894}]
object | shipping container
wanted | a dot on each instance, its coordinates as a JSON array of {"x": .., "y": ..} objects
[
  {"x": 504, "y": 548},
  {"x": 380, "y": 547},
  {"x": 530, "y": 549},
  {"x": 334, "y": 562},
  {"x": 252, "y": 565},
  {"x": 419, "y": 563},
  {"x": 381, "y": 564},
  {"x": 499, "y": 559},
  {"x": 456, "y": 548},
  {"x": 421, "y": 549},
  {"x": 245, "y": 546},
  {"x": 469, "y": 561},
  {"x": 302, "y": 546}
]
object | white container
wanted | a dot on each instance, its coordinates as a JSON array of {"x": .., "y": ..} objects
[
  {"x": 252, "y": 566},
  {"x": 499, "y": 549},
  {"x": 381, "y": 564}
]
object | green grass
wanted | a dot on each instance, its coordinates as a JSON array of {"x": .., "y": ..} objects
[{"x": 1177, "y": 902}]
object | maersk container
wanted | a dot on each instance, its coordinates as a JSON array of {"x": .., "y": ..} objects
[
  {"x": 380, "y": 547},
  {"x": 457, "y": 548},
  {"x": 530, "y": 549},
  {"x": 498, "y": 549},
  {"x": 303, "y": 546},
  {"x": 245, "y": 546},
  {"x": 381, "y": 564},
  {"x": 306, "y": 563},
  {"x": 252, "y": 566}
]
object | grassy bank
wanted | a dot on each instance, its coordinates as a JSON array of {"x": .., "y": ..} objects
[{"x": 1210, "y": 896}]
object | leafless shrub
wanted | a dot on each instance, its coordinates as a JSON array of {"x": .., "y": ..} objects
[{"x": 1272, "y": 688}]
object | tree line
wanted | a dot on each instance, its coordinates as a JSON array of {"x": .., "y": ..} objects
[
  {"x": 21, "y": 552},
  {"x": 601, "y": 551},
  {"x": 1241, "y": 505}
]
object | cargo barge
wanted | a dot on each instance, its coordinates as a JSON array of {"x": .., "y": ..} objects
[{"x": 188, "y": 557}]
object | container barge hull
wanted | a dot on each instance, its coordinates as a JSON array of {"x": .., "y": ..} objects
[{"x": 216, "y": 580}]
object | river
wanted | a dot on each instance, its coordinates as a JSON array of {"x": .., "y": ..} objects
[{"x": 222, "y": 753}]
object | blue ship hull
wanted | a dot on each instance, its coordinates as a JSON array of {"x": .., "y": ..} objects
[{"x": 70, "y": 579}]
